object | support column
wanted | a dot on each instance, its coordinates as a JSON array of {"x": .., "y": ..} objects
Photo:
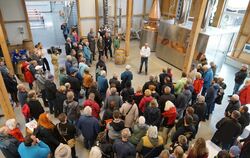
[
  {"x": 115, "y": 17},
  {"x": 128, "y": 26},
  {"x": 27, "y": 19},
  {"x": 218, "y": 13},
  {"x": 196, "y": 27},
  {"x": 97, "y": 17},
  {"x": 144, "y": 8},
  {"x": 78, "y": 18},
  {"x": 5, "y": 51},
  {"x": 5, "y": 101}
]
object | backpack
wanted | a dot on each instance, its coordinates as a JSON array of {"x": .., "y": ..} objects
[{"x": 26, "y": 110}]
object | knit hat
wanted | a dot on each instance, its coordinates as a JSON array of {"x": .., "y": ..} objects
[
  {"x": 141, "y": 120},
  {"x": 235, "y": 151},
  {"x": 11, "y": 124},
  {"x": 63, "y": 151}
]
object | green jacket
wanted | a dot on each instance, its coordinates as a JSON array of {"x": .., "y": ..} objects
[{"x": 116, "y": 43}]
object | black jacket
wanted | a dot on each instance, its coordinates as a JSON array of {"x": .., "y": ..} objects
[
  {"x": 50, "y": 89},
  {"x": 240, "y": 76},
  {"x": 10, "y": 84},
  {"x": 232, "y": 106},
  {"x": 244, "y": 120},
  {"x": 60, "y": 98},
  {"x": 227, "y": 132},
  {"x": 163, "y": 99},
  {"x": 200, "y": 109},
  {"x": 35, "y": 108},
  {"x": 117, "y": 84},
  {"x": 245, "y": 150},
  {"x": 147, "y": 84},
  {"x": 66, "y": 131},
  {"x": 152, "y": 116},
  {"x": 9, "y": 146},
  {"x": 68, "y": 48},
  {"x": 75, "y": 84}
]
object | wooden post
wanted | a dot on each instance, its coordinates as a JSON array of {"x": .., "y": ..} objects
[
  {"x": 240, "y": 34},
  {"x": 144, "y": 8},
  {"x": 196, "y": 27},
  {"x": 97, "y": 17},
  {"x": 5, "y": 101},
  {"x": 78, "y": 18},
  {"x": 218, "y": 13},
  {"x": 115, "y": 17},
  {"x": 5, "y": 51},
  {"x": 128, "y": 26},
  {"x": 3, "y": 26},
  {"x": 27, "y": 19}
]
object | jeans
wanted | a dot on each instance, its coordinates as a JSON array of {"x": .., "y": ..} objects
[
  {"x": 144, "y": 60},
  {"x": 100, "y": 54},
  {"x": 45, "y": 103},
  {"x": 106, "y": 52},
  {"x": 236, "y": 87}
]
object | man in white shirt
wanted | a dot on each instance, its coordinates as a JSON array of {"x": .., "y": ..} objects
[{"x": 145, "y": 53}]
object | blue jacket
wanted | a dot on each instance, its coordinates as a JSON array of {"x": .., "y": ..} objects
[
  {"x": 87, "y": 52},
  {"x": 126, "y": 76},
  {"x": 124, "y": 149},
  {"x": 102, "y": 84},
  {"x": 208, "y": 77},
  {"x": 89, "y": 127},
  {"x": 40, "y": 150}
]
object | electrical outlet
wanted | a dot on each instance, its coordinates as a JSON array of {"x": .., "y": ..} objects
[{"x": 21, "y": 29}]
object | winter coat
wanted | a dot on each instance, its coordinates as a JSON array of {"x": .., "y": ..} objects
[
  {"x": 145, "y": 102},
  {"x": 245, "y": 150},
  {"x": 50, "y": 89},
  {"x": 244, "y": 120},
  {"x": 48, "y": 136},
  {"x": 169, "y": 117},
  {"x": 181, "y": 103},
  {"x": 198, "y": 84},
  {"x": 28, "y": 77},
  {"x": 147, "y": 84},
  {"x": 208, "y": 77},
  {"x": 126, "y": 76},
  {"x": 68, "y": 65},
  {"x": 163, "y": 99},
  {"x": 9, "y": 146},
  {"x": 91, "y": 132},
  {"x": 72, "y": 110},
  {"x": 244, "y": 95},
  {"x": 152, "y": 116},
  {"x": 16, "y": 133},
  {"x": 139, "y": 131},
  {"x": 130, "y": 112},
  {"x": 227, "y": 132},
  {"x": 87, "y": 80},
  {"x": 117, "y": 84},
  {"x": 82, "y": 67},
  {"x": 35, "y": 108},
  {"x": 137, "y": 98},
  {"x": 180, "y": 85},
  {"x": 62, "y": 78},
  {"x": 60, "y": 98},
  {"x": 162, "y": 77},
  {"x": 75, "y": 84},
  {"x": 10, "y": 84},
  {"x": 233, "y": 105},
  {"x": 22, "y": 97},
  {"x": 146, "y": 145},
  {"x": 66, "y": 131},
  {"x": 102, "y": 84},
  {"x": 240, "y": 76},
  {"x": 40, "y": 81},
  {"x": 115, "y": 128},
  {"x": 116, "y": 98},
  {"x": 87, "y": 52},
  {"x": 124, "y": 149},
  {"x": 126, "y": 93},
  {"x": 200, "y": 110},
  {"x": 94, "y": 106},
  {"x": 188, "y": 131},
  {"x": 100, "y": 45}
]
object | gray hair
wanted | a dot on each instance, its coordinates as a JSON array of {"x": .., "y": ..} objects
[
  {"x": 87, "y": 111},
  {"x": 126, "y": 133},
  {"x": 152, "y": 132}
]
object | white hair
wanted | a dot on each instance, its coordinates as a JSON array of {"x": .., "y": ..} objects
[
  {"x": 152, "y": 132},
  {"x": 128, "y": 67},
  {"x": 168, "y": 105},
  {"x": 87, "y": 111},
  {"x": 126, "y": 133},
  {"x": 141, "y": 120},
  {"x": 103, "y": 73},
  {"x": 11, "y": 123}
]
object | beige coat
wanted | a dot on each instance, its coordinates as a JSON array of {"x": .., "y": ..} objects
[{"x": 132, "y": 116}]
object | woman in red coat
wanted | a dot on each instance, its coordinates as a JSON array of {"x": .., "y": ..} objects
[
  {"x": 145, "y": 100},
  {"x": 244, "y": 93},
  {"x": 28, "y": 77}
]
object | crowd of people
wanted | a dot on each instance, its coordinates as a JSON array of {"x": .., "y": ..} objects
[{"x": 156, "y": 119}]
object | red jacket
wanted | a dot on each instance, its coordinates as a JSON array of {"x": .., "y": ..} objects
[
  {"x": 28, "y": 77},
  {"x": 198, "y": 84},
  {"x": 16, "y": 133},
  {"x": 94, "y": 106},
  {"x": 144, "y": 101},
  {"x": 244, "y": 95},
  {"x": 170, "y": 115}
]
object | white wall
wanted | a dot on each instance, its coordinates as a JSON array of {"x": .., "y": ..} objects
[
  {"x": 42, "y": 6},
  {"x": 87, "y": 9},
  {"x": 12, "y": 10}
]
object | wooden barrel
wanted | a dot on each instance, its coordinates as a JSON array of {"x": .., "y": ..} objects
[
  {"x": 120, "y": 57},
  {"x": 28, "y": 44}
]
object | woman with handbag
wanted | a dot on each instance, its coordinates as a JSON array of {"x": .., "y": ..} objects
[{"x": 67, "y": 133}]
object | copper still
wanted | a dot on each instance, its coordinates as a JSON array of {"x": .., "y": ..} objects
[{"x": 150, "y": 27}]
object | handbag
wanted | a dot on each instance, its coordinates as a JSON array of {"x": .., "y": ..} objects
[
  {"x": 71, "y": 143},
  {"x": 124, "y": 116}
]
